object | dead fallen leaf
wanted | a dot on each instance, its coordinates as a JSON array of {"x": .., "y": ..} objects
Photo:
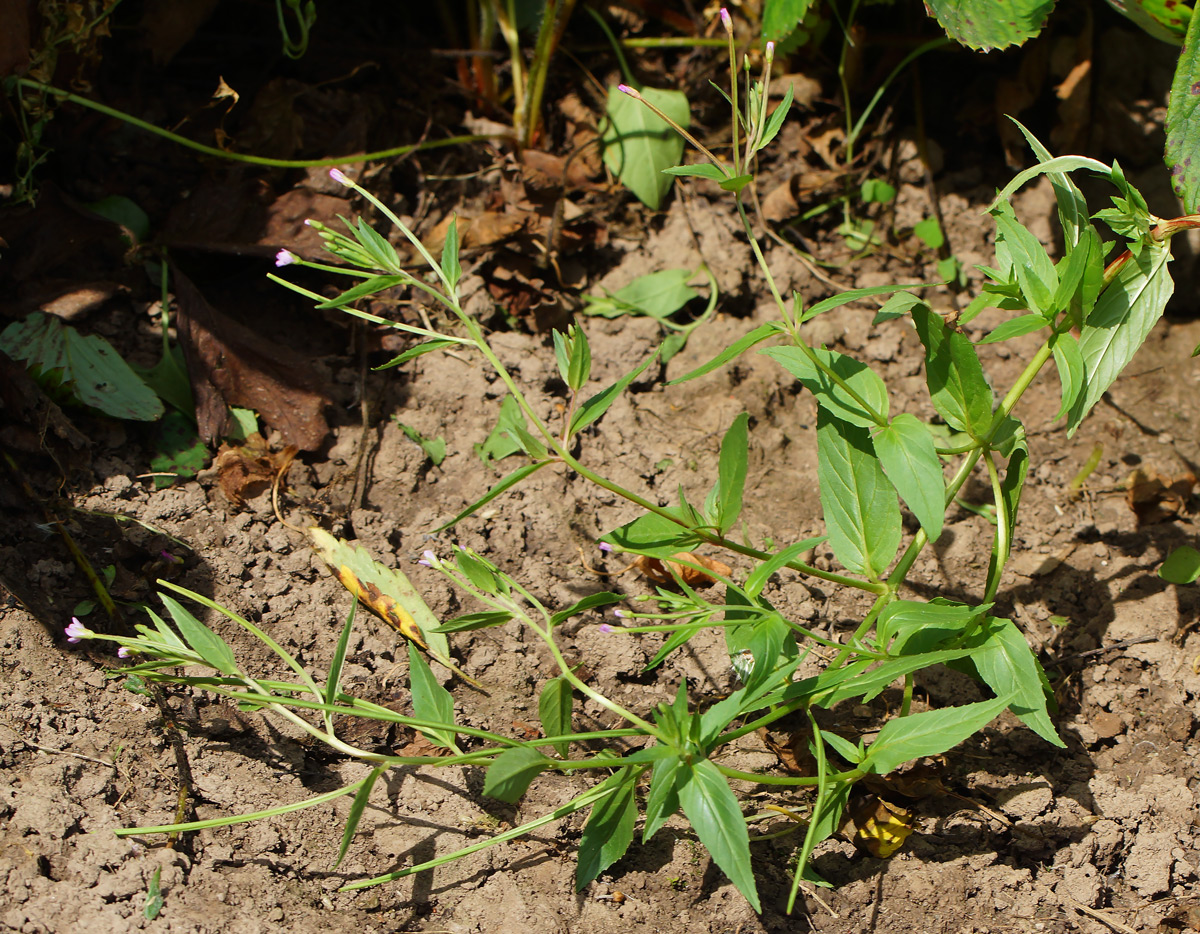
[
  {"x": 1157, "y": 498},
  {"x": 880, "y": 827},
  {"x": 664, "y": 572},
  {"x": 245, "y": 471},
  {"x": 229, "y": 364},
  {"x": 792, "y": 750}
]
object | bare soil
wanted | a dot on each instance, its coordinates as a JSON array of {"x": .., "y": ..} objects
[{"x": 1101, "y": 836}]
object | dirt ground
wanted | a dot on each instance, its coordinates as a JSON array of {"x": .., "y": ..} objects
[{"x": 1101, "y": 836}]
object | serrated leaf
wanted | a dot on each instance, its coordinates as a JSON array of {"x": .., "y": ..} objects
[
  {"x": 990, "y": 24},
  {"x": 903, "y": 739},
  {"x": 1183, "y": 121},
  {"x": 639, "y": 144},
  {"x": 1119, "y": 324},
  {"x": 86, "y": 368},
  {"x": 736, "y": 349},
  {"x": 1032, "y": 265},
  {"x": 829, "y": 395},
  {"x": 554, "y": 710},
  {"x": 909, "y": 458},
  {"x": 1007, "y": 666},
  {"x": 509, "y": 775},
  {"x": 712, "y": 809},
  {"x": 862, "y": 513},
  {"x": 954, "y": 375},
  {"x": 1072, "y": 208},
  {"x": 609, "y": 829},
  {"x": 781, "y": 17}
]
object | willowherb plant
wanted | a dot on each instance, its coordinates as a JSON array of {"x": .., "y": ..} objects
[{"x": 1094, "y": 308}]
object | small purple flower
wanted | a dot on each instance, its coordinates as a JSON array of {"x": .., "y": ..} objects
[
  {"x": 429, "y": 559},
  {"x": 167, "y": 556},
  {"x": 770, "y": 50},
  {"x": 77, "y": 632},
  {"x": 620, "y": 614},
  {"x": 124, "y": 652},
  {"x": 726, "y": 20},
  {"x": 606, "y": 629},
  {"x": 285, "y": 258},
  {"x": 340, "y": 177},
  {"x": 626, "y": 89},
  {"x": 605, "y": 547}
]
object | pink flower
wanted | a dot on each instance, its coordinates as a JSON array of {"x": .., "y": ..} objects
[
  {"x": 605, "y": 547},
  {"x": 726, "y": 20},
  {"x": 124, "y": 652},
  {"x": 606, "y": 629},
  {"x": 626, "y": 89},
  {"x": 620, "y": 614},
  {"x": 77, "y": 632},
  {"x": 340, "y": 177},
  {"x": 770, "y": 50},
  {"x": 285, "y": 258},
  {"x": 429, "y": 559}
]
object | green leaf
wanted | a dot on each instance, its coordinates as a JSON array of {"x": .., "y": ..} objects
[
  {"x": 654, "y": 535},
  {"x": 711, "y": 807},
  {"x": 876, "y": 191},
  {"x": 364, "y": 289},
  {"x": 909, "y": 458},
  {"x": 1182, "y": 565},
  {"x": 896, "y": 307},
  {"x": 178, "y": 449},
  {"x": 903, "y": 739},
  {"x": 1032, "y": 265},
  {"x": 1072, "y": 208},
  {"x": 469, "y": 622},
  {"x": 990, "y": 24},
  {"x": 930, "y": 233},
  {"x": 124, "y": 213},
  {"x": 639, "y": 144},
  {"x": 862, "y": 679},
  {"x": 775, "y": 121},
  {"x": 699, "y": 170},
  {"x": 202, "y": 640},
  {"x": 657, "y": 295},
  {"x": 450, "y": 266},
  {"x": 663, "y": 799},
  {"x": 1120, "y": 323},
  {"x": 854, "y": 295},
  {"x": 1183, "y": 120},
  {"x": 598, "y": 404},
  {"x": 587, "y": 603},
  {"x": 829, "y": 395},
  {"x": 760, "y": 575},
  {"x": 1006, "y": 664},
  {"x": 479, "y": 571},
  {"x": 1015, "y": 327},
  {"x": 1010, "y": 499},
  {"x": 511, "y": 771},
  {"x": 731, "y": 473},
  {"x": 905, "y": 627},
  {"x": 1058, "y": 166},
  {"x": 357, "y": 807},
  {"x": 737, "y": 183},
  {"x": 416, "y": 351},
  {"x": 434, "y": 448},
  {"x": 334, "y": 679},
  {"x": 430, "y": 700},
  {"x": 1164, "y": 19},
  {"x": 154, "y": 897},
  {"x": 1069, "y": 361},
  {"x": 782, "y": 17},
  {"x": 1080, "y": 265},
  {"x": 554, "y": 710},
  {"x": 736, "y": 349},
  {"x": 957, "y": 386},
  {"x": 501, "y": 442},
  {"x": 609, "y": 828},
  {"x": 85, "y": 369},
  {"x": 862, "y": 513}
]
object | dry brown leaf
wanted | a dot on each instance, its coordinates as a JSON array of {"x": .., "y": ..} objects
[
  {"x": 231, "y": 365},
  {"x": 665, "y": 572},
  {"x": 245, "y": 471},
  {"x": 792, "y": 750},
  {"x": 880, "y": 827},
  {"x": 1156, "y": 498}
]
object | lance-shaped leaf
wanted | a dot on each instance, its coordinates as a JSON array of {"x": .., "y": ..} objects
[
  {"x": 554, "y": 710},
  {"x": 1120, "y": 323},
  {"x": 904, "y": 739},
  {"x": 731, "y": 474},
  {"x": 859, "y": 377},
  {"x": 1183, "y": 120},
  {"x": 862, "y": 513},
  {"x": 1030, "y": 262},
  {"x": 663, "y": 799},
  {"x": 430, "y": 700},
  {"x": 909, "y": 458},
  {"x": 736, "y": 349},
  {"x": 511, "y": 771},
  {"x": 202, "y": 640},
  {"x": 1006, "y": 665},
  {"x": 711, "y": 807},
  {"x": 609, "y": 828},
  {"x": 957, "y": 386},
  {"x": 598, "y": 404},
  {"x": 1069, "y": 361},
  {"x": 654, "y": 535}
]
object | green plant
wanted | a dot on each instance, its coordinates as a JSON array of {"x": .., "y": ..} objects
[{"x": 869, "y": 460}]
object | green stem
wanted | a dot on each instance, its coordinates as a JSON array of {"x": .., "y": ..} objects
[{"x": 243, "y": 157}]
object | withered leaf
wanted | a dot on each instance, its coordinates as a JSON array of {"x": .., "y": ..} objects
[
  {"x": 880, "y": 827},
  {"x": 1157, "y": 498},
  {"x": 664, "y": 572},
  {"x": 231, "y": 365},
  {"x": 245, "y": 471}
]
